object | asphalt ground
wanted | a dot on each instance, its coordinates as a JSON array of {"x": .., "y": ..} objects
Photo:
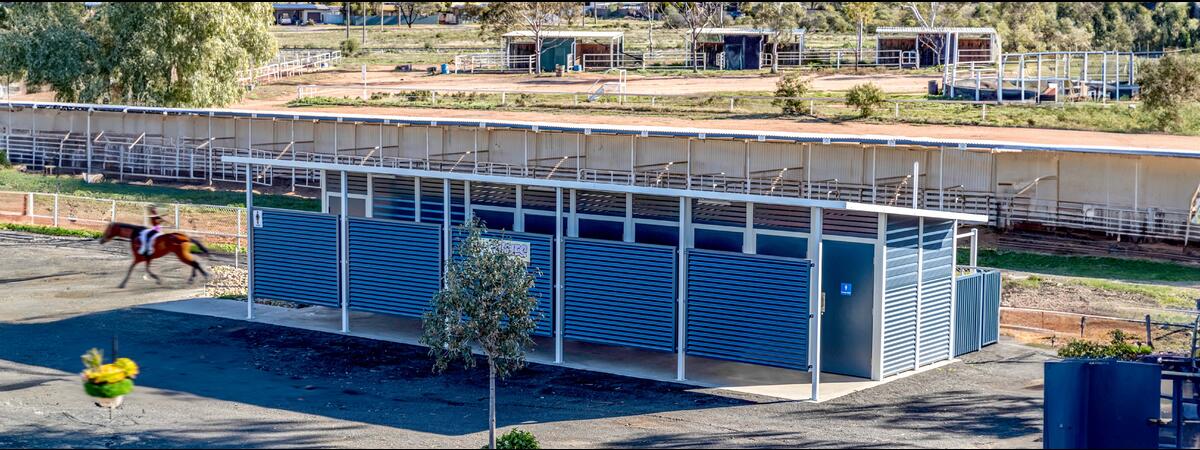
[{"x": 211, "y": 382}]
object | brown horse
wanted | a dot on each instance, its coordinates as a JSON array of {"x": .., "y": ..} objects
[{"x": 164, "y": 244}]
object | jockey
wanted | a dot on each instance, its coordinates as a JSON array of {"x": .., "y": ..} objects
[{"x": 147, "y": 235}]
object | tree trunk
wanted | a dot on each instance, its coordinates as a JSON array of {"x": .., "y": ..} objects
[
  {"x": 364, "y": 28},
  {"x": 774, "y": 57},
  {"x": 858, "y": 53},
  {"x": 537, "y": 54},
  {"x": 491, "y": 405},
  {"x": 346, "y": 19}
]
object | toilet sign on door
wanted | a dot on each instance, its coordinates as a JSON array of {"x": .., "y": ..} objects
[
  {"x": 257, "y": 218},
  {"x": 847, "y": 289}
]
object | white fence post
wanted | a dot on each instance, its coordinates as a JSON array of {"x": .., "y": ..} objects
[{"x": 55, "y": 221}]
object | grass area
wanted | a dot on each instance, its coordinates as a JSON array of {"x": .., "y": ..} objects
[
  {"x": 638, "y": 35},
  {"x": 49, "y": 231},
  {"x": 215, "y": 247},
  {"x": 1091, "y": 116},
  {"x": 1085, "y": 266},
  {"x": 1166, "y": 296},
  {"x": 13, "y": 180}
]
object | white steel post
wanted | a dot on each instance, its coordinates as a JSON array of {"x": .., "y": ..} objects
[
  {"x": 55, "y": 221},
  {"x": 249, "y": 245},
  {"x": 974, "y": 247},
  {"x": 344, "y": 251},
  {"x": 447, "y": 242},
  {"x": 816, "y": 298},
  {"x": 87, "y": 173},
  {"x": 681, "y": 280},
  {"x": 559, "y": 246}
]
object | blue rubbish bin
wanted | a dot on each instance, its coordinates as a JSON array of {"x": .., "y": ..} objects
[
  {"x": 577, "y": 68},
  {"x": 445, "y": 69}
]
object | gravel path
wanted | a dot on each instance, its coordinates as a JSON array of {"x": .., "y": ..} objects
[{"x": 210, "y": 382}]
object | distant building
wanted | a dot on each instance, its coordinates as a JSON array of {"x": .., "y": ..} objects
[
  {"x": 301, "y": 13},
  {"x": 743, "y": 48},
  {"x": 924, "y": 46},
  {"x": 567, "y": 48}
]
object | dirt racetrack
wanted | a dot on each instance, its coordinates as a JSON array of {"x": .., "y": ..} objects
[
  {"x": 635, "y": 83},
  {"x": 1023, "y": 135}
]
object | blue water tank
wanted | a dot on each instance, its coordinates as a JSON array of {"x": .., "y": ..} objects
[{"x": 445, "y": 69}]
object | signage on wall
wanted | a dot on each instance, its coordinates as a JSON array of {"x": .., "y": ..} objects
[
  {"x": 258, "y": 218},
  {"x": 847, "y": 289},
  {"x": 515, "y": 248}
]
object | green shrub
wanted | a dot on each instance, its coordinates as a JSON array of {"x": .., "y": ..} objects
[
  {"x": 516, "y": 439},
  {"x": 1118, "y": 347},
  {"x": 866, "y": 98},
  {"x": 351, "y": 47},
  {"x": 4, "y": 162},
  {"x": 1167, "y": 85},
  {"x": 792, "y": 84}
]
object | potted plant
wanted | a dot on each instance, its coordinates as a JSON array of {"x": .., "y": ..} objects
[{"x": 107, "y": 383}]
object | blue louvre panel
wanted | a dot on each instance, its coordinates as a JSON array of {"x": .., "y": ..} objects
[
  {"x": 937, "y": 281},
  {"x": 620, "y": 293},
  {"x": 748, "y": 308},
  {"x": 290, "y": 243},
  {"x": 541, "y": 266},
  {"x": 900, "y": 295},
  {"x": 850, "y": 223},
  {"x": 432, "y": 198},
  {"x": 991, "y": 307},
  {"x": 395, "y": 267},
  {"x": 394, "y": 198},
  {"x": 967, "y": 311}
]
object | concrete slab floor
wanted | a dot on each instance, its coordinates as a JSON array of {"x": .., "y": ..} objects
[{"x": 773, "y": 382}]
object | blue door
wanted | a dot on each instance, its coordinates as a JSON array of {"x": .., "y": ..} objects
[
  {"x": 748, "y": 308},
  {"x": 848, "y": 323},
  {"x": 620, "y": 293}
]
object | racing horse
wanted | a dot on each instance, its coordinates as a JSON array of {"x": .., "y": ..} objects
[{"x": 164, "y": 244}]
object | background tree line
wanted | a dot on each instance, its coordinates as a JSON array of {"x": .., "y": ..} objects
[{"x": 160, "y": 53}]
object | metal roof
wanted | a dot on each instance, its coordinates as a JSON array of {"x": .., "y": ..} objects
[
  {"x": 912, "y": 30},
  {"x": 733, "y": 31},
  {"x": 568, "y": 34},
  {"x": 627, "y": 130},
  {"x": 619, "y": 188}
]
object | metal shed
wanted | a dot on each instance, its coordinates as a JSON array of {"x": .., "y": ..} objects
[
  {"x": 932, "y": 46},
  {"x": 813, "y": 286},
  {"x": 567, "y": 48},
  {"x": 744, "y": 48}
]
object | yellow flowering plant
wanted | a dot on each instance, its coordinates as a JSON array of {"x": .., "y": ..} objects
[{"x": 107, "y": 380}]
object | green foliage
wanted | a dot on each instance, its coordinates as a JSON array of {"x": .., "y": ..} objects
[
  {"x": 49, "y": 231},
  {"x": 791, "y": 85},
  {"x": 485, "y": 303},
  {"x": 1118, "y": 347},
  {"x": 866, "y": 98},
  {"x": 156, "y": 53},
  {"x": 517, "y": 439},
  {"x": 109, "y": 390},
  {"x": 350, "y": 47},
  {"x": 1167, "y": 85},
  {"x": 12, "y": 180},
  {"x": 4, "y": 162},
  {"x": 1086, "y": 266}
]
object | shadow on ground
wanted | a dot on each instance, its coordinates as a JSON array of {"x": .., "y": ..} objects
[{"x": 341, "y": 377}]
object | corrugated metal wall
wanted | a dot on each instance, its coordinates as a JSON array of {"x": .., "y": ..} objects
[
  {"x": 748, "y": 308},
  {"x": 620, "y": 294},
  {"x": 291, "y": 243},
  {"x": 937, "y": 278},
  {"x": 395, "y": 267},
  {"x": 967, "y": 314},
  {"x": 900, "y": 294},
  {"x": 991, "y": 307}
]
